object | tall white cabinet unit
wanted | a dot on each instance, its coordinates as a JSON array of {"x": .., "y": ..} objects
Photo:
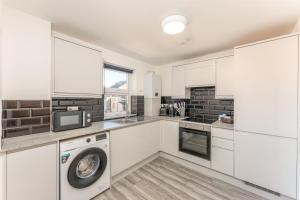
[
  {"x": 77, "y": 69},
  {"x": 31, "y": 174},
  {"x": 266, "y": 103},
  {"x": 25, "y": 56}
]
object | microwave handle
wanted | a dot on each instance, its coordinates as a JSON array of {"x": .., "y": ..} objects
[{"x": 83, "y": 119}]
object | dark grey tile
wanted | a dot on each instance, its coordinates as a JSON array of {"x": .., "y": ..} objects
[
  {"x": 46, "y": 120},
  {"x": 9, "y": 104},
  {"x": 15, "y": 113},
  {"x": 46, "y": 103},
  {"x": 40, "y": 112},
  {"x": 66, "y": 103},
  {"x": 30, "y": 104},
  {"x": 15, "y": 132},
  {"x": 9, "y": 123},
  {"x": 30, "y": 121},
  {"x": 40, "y": 129}
]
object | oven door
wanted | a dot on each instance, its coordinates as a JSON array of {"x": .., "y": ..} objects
[
  {"x": 67, "y": 120},
  {"x": 195, "y": 142}
]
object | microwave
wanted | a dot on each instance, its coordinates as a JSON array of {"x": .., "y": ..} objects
[{"x": 66, "y": 120}]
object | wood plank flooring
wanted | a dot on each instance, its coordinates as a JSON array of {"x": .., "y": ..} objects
[{"x": 163, "y": 179}]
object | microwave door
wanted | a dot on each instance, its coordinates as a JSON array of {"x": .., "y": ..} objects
[{"x": 67, "y": 120}]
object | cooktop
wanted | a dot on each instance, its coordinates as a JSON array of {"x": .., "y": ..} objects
[{"x": 199, "y": 120}]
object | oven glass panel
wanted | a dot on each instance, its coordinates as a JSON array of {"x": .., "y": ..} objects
[
  {"x": 194, "y": 142},
  {"x": 69, "y": 120}
]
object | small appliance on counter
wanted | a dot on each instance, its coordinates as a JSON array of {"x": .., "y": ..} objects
[
  {"x": 226, "y": 119},
  {"x": 163, "y": 110},
  {"x": 66, "y": 120}
]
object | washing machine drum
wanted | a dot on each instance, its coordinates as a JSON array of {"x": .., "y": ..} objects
[{"x": 87, "y": 167}]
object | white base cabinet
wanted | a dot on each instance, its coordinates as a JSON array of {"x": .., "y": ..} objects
[
  {"x": 222, "y": 160},
  {"x": 169, "y": 138},
  {"x": 222, "y": 156},
  {"x": 31, "y": 174},
  {"x": 132, "y": 145},
  {"x": 267, "y": 161}
]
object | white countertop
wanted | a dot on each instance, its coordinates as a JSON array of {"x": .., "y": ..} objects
[{"x": 22, "y": 142}]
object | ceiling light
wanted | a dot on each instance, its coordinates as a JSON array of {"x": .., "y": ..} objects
[{"x": 174, "y": 24}]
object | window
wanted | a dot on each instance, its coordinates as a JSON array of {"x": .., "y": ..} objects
[{"x": 116, "y": 91}]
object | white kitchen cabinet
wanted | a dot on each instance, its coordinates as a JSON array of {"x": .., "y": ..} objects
[
  {"x": 200, "y": 74},
  {"x": 129, "y": 146},
  {"x": 267, "y": 161},
  {"x": 224, "y": 78},
  {"x": 25, "y": 56},
  {"x": 266, "y": 94},
  {"x": 169, "y": 138},
  {"x": 178, "y": 82},
  {"x": 222, "y": 160},
  {"x": 32, "y": 174},
  {"x": 78, "y": 70}
]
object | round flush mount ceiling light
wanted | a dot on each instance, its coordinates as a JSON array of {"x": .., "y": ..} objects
[{"x": 174, "y": 24}]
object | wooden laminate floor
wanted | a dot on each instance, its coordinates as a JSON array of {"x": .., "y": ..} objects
[{"x": 163, "y": 179}]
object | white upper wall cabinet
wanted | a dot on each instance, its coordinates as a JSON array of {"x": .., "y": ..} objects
[
  {"x": 26, "y": 56},
  {"x": 178, "y": 82},
  {"x": 266, "y": 94},
  {"x": 224, "y": 78},
  {"x": 78, "y": 70},
  {"x": 200, "y": 74}
]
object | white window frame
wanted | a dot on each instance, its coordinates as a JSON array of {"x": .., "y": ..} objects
[{"x": 121, "y": 92}]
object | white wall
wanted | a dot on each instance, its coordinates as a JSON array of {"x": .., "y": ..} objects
[
  {"x": 2, "y": 156},
  {"x": 297, "y": 26},
  {"x": 165, "y": 71}
]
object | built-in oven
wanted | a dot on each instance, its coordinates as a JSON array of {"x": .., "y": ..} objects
[{"x": 195, "y": 140}]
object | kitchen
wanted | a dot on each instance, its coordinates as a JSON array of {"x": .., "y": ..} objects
[{"x": 96, "y": 107}]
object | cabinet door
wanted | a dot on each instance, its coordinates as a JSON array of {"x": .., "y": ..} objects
[
  {"x": 267, "y": 161},
  {"x": 224, "y": 78},
  {"x": 78, "y": 70},
  {"x": 26, "y": 56},
  {"x": 169, "y": 139},
  {"x": 222, "y": 160},
  {"x": 266, "y": 87},
  {"x": 129, "y": 146},
  {"x": 178, "y": 82},
  {"x": 200, "y": 74},
  {"x": 31, "y": 174}
]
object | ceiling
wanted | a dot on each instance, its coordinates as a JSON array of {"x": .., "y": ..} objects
[{"x": 133, "y": 27}]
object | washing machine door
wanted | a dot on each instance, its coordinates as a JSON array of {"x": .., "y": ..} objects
[{"x": 87, "y": 167}]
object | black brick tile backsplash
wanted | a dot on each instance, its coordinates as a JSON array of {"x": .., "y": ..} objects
[
  {"x": 25, "y": 117},
  {"x": 203, "y": 104},
  {"x": 137, "y": 105},
  {"x": 96, "y": 105}
]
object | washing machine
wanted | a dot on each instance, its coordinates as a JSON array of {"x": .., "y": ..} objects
[{"x": 84, "y": 167}]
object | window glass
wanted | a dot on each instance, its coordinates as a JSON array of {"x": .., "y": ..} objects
[
  {"x": 116, "y": 93},
  {"x": 116, "y": 80}
]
